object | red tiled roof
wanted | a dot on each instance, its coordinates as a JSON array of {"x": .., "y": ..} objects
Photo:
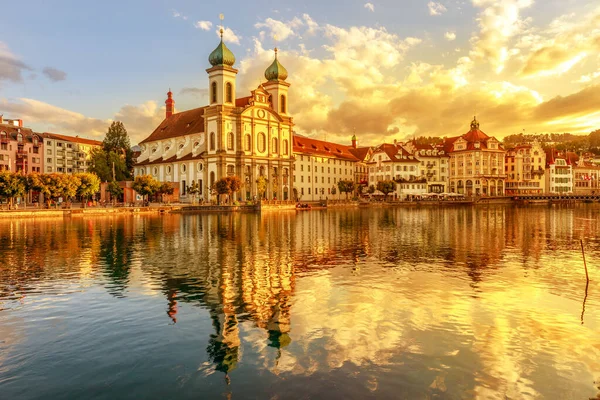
[
  {"x": 180, "y": 124},
  {"x": 171, "y": 159},
  {"x": 396, "y": 153},
  {"x": 360, "y": 152},
  {"x": 12, "y": 131},
  {"x": 305, "y": 145},
  {"x": 243, "y": 101},
  {"x": 72, "y": 139},
  {"x": 475, "y": 135}
]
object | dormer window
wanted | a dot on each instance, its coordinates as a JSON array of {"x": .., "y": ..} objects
[
  {"x": 20, "y": 138},
  {"x": 181, "y": 146}
]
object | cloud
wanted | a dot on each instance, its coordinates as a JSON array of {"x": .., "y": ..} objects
[
  {"x": 450, "y": 36},
  {"x": 54, "y": 119},
  {"x": 499, "y": 22},
  {"x": 139, "y": 121},
  {"x": 279, "y": 29},
  {"x": 229, "y": 36},
  {"x": 370, "y": 6},
  {"x": 55, "y": 75},
  {"x": 589, "y": 77},
  {"x": 11, "y": 68},
  {"x": 310, "y": 23},
  {"x": 436, "y": 8},
  {"x": 204, "y": 25},
  {"x": 177, "y": 14},
  {"x": 192, "y": 91},
  {"x": 567, "y": 41}
]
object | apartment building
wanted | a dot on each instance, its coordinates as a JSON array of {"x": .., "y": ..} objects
[
  {"x": 319, "y": 166},
  {"x": 525, "y": 166},
  {"x": 21, "y": 149},
  {"x": 67, "y": 154},
  {"x": 434, "y": 165}
]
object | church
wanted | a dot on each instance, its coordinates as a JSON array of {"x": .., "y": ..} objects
[{"x": 247, "y": 137}]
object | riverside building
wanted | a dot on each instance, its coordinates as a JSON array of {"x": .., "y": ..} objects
[
  {"x": 476, "y": 163},
  {"x": 320, "y": 165},
  {"x": 21, "y": 149},
  {"x": 434, "y": 163},
  {"x": 524, "y": 167},
  {"x": 67, "y": 154},
  {"x": 559, "y": 172},
  {"x": 249, "y": 137}
]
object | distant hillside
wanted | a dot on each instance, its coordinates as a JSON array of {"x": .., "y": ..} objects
[{"x": 559, "y": 141}]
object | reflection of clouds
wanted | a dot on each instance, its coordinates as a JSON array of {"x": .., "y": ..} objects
[{"x": 484, "y": 301}]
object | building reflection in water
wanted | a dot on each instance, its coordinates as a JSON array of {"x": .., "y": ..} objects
[{"x": 340, "y": 280}]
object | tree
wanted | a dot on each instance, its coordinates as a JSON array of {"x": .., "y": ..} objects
[
  {"x": 70, "y": 186},
  {"x": 194, "y": 190},
  {"x": 89, "y": 185},
  {"x": 346, "y": 187},
  {"x": 115, "y": 190},
  {"x": 165, "y": 189},
  {"x": 55, "y": 186},
  {"x": 235, "y": 184},
  {"x": 222, "y": 187},
  {"x": 12, "y": 185},
  {"x": 115, "y": 151},
  {"x": 261, "y": 186},
  {"x": 386, "y": 187},
  {"x": 146, "y": 185}
]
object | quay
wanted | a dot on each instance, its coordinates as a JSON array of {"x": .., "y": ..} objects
[{"x": 274, "y": 205}]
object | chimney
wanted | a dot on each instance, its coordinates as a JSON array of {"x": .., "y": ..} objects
[
  {"x": 354, "y": 141},
  {"x": 170, "y": 103},
  {"x": 2, "y": 119},
  {"x": 21, "y": 123}
]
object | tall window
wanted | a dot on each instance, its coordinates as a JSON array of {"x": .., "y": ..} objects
[
  {"x": 212, "y": 179},
  {"x": 230, "y": 141},
  {"x": 262, "y": 142},
  {"x": 285, "y": 147},
  {"x": 228, "y": 93},
  {"x": 283, "y": 105},
  {"x": 214, "y": 92},
  {"x": 275, "y": 143},
  {"x": 212, "y": 140},
  {"x": 248, "y": 143}
]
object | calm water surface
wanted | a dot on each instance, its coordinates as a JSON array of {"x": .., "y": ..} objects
[{"x": 457, "y": 303}]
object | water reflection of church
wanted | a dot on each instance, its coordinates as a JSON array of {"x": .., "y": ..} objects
[{"x": 238, "y": 276}]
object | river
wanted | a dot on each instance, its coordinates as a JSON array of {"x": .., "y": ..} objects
[{"x": 448, "y": 303}]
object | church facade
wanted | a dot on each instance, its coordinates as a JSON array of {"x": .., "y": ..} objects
[{"x": 248, "y": 137}]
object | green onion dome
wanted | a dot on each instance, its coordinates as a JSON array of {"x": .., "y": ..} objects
[
  {"x": 276, "y": 71},
  {"x": 221, "y": 55}
]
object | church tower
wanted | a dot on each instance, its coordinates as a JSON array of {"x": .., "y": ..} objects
[
  {"x": 277, "y": 87},
  {"x": 170, "y": 104},
  {"x": 221, "y": 76}
]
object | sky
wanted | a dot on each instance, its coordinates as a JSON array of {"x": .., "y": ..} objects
[{"x": 389, "y": 69}]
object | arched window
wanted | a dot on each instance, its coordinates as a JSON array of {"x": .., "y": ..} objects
[
  {"x": 228, "y": 93},
  {"x": 214, "y": 92},
  {"x": 283, "y": 105},
  {"x": 275, "y": 145},
  {"x": 230, "y": 141},
  {"x": 3, "y": 135},
  {"x": 248, "y": 143},
  {"x": 262, "y": 142},
  {"x": 212, "y": 140},
  {"x": 285, "y": 147},
  {"x": 230, "y": 169}
]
